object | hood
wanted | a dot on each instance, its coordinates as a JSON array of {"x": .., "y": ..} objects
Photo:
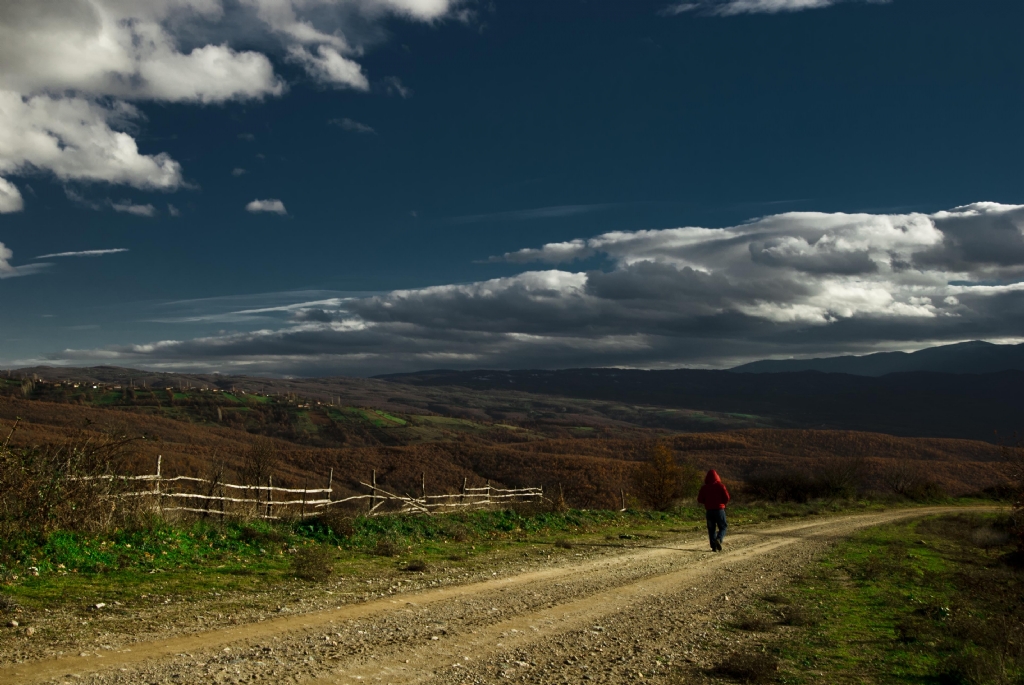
[{"x": 712, "y": 477}]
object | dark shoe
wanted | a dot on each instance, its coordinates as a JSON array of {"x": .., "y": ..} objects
[{"x": 718, "y": 546}]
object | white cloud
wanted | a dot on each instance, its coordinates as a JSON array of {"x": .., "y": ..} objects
[
  {"x": 128, "y": 207},
  {"x": 807, "y": 283},
  {"x": 68, "y": 68},
  {"x": 84, "y": 253},
  {"x": 329, "y": 67},
  {"x": 7, "y": 270},
  {"x": 273, "y": 206},
  {"x": 351, "y": 125},
  {"x": 173, "y": 211},
  {"x": 74, "y": 139},
  {"x": 238, "y": 171},
  {"x": 10, "y": 197}
]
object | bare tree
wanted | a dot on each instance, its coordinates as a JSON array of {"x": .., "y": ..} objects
[
  {"x": 841, "y": 476},
  {"x": 903, "y": 476},
  {"x": 661, "y": 483},
  {"x": 258, "y": 464}
]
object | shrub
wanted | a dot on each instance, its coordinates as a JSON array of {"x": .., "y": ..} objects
[
  {"x": 749, "y": 667},
  {"x": 387, "y": 547},
  {"x": 781, "y": 485},
  {"x": 68, "y": 486},
  {"x": 339, "y": 524},
  {"x": 313, "y": 563},
  {"x": 562, "y": 543},
  {"x": 255, "y": 534},
  {"x": 416, "y": 566},
  {"x": 661, "y": 483},
  {"x": 971, "y": 666}
]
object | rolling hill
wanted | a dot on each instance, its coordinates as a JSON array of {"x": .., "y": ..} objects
[{"x": 975, "y": 356}]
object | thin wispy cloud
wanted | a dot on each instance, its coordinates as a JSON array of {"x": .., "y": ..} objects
[
  {"x": 530, "y": 214},
  {"x": 394, "y": 86},
  {"x": 84, "y": 253},
  {"x": 351, "y": 125},
  {"x": 729, "y": 8},
  {"x": 129, "y": 207}
]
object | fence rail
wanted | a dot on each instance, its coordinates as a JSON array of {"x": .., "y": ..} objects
[{"x": 200, "y": 495}]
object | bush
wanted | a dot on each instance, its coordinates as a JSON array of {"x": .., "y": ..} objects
[
  {"x": 340, "y": 525},
  {"x": 661, "y": 483},
  {"x": 781, "y": 485},
  {"x": 68, "y": 486},
  {"x": 313, "y": 563},
  {"x": 563, "y": 544},
  {"x": 387, "y": 547},
  {"x": 972, "y": 667},
  {"x": 416, "y": 566},
  {"x": 749, "y": 667}
]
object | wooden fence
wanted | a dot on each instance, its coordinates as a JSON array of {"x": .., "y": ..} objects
[{"x": 213, "y": 497}]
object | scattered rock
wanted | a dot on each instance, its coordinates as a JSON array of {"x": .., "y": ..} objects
[
  {"x": 12, "y": 623},
  {"x": 30, "y": 631}
]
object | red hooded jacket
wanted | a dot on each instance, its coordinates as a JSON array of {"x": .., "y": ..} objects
[{"x": 713, "y": 494}]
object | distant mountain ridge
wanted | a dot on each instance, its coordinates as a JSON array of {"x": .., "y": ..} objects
[
  {"x": 975, "y": 356},
  {"x": 922, "y": 403}
]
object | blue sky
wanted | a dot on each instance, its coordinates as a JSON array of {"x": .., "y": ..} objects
[{"x": 363, "y": 186}]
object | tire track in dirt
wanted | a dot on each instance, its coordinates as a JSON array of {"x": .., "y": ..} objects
[{"x": 464, "y": 633}]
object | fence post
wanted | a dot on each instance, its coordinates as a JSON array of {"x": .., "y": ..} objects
[
  {"x": 330, "y": 488},
  {"x": 302, "y": 513},
  {"x": 222, "y": 503},
  {"x": 622, "y": 494},
  {"x": 463, "y": 499},
  {"x": 373, "y": 496},
  {"x": 488, "y": 493},
  {"x": 423, "y": 487},
  {"x": 159, "y": 497},
  {"x": 270, "y": 496}
]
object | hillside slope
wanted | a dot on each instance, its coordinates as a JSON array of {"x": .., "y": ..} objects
[{"x": 970, "y": 406}]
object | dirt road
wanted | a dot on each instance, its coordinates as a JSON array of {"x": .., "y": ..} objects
[{"x": 613, "y": 616}]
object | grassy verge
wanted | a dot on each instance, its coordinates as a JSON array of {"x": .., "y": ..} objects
[
  {"x": 934, "y": 601},
  {"x": 76, "y": 569}
]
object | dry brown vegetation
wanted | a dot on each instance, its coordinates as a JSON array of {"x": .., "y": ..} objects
[{"x": 591, "y": 469}]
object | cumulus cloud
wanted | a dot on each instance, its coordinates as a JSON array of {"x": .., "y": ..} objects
[
  {"x": 10, "y": 197},
  {"x": 728, "y": 8},
  {"x": 794, "y": 283},
  {"x": 69, "y": 68},
  {"x": 84, "y": 253},
  {"x": 272, "y": 206}
]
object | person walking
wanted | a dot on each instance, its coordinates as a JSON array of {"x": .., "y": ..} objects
[{"x": 714, "y": 497}]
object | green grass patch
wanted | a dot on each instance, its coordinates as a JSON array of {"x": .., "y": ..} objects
[{"x": 935, "y": 601}]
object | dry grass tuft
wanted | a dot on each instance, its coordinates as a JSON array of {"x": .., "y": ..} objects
[{"x": 313, "y": 563}]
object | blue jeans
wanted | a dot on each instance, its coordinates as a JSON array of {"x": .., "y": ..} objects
[{"x": 716, "y": 519}]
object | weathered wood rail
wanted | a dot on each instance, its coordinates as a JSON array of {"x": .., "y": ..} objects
[{"x": 210, "y": 497}]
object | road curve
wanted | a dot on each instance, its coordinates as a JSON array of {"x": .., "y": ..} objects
[{"x": 607, "y": 619}]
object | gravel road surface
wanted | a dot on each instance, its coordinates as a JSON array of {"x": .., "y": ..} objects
[{"x": 596, "y": 614}]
